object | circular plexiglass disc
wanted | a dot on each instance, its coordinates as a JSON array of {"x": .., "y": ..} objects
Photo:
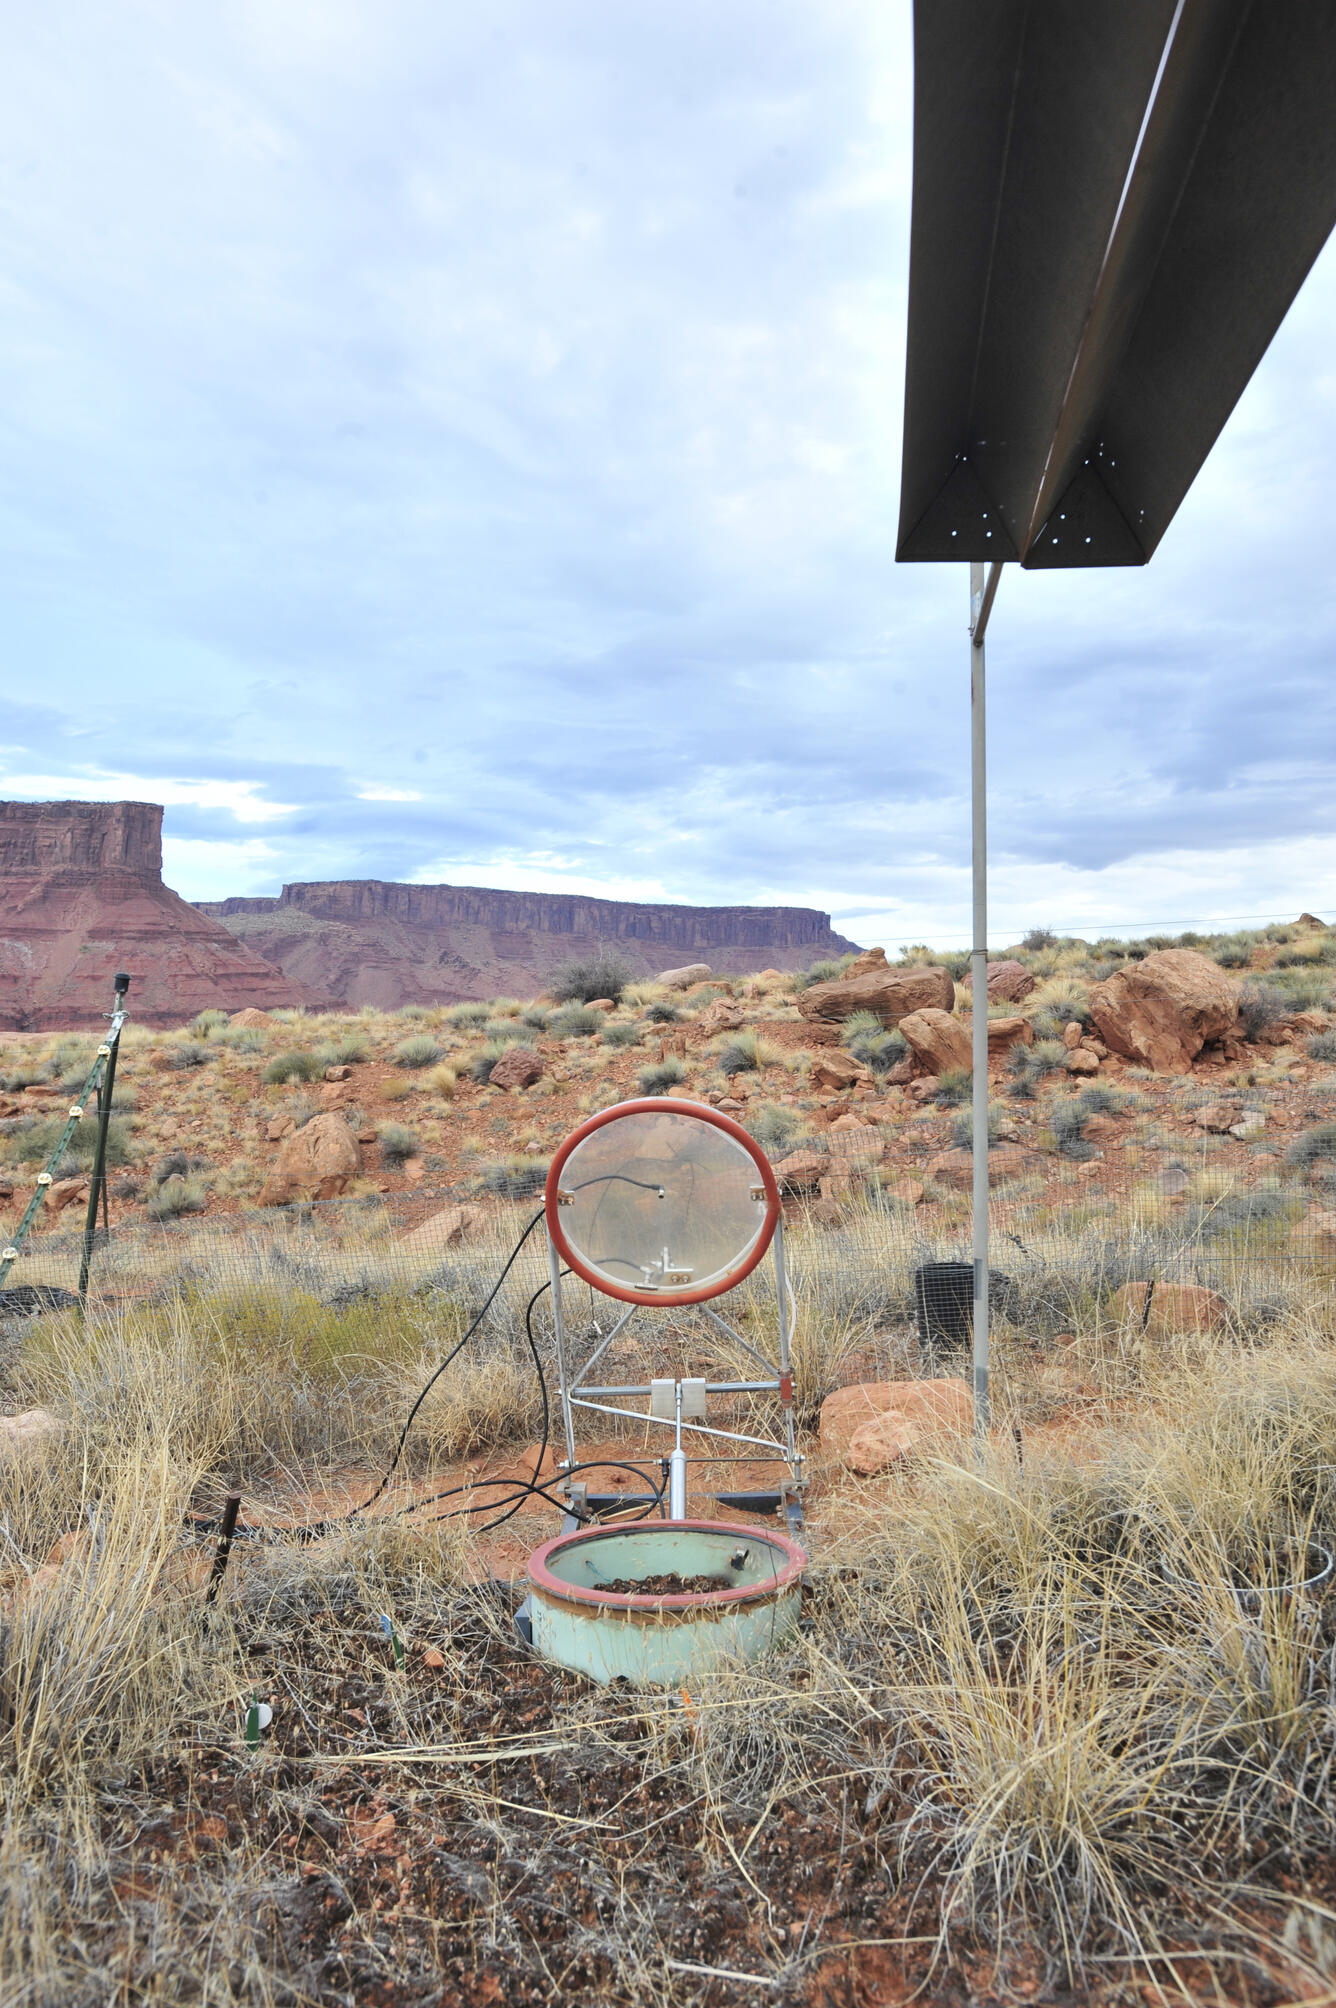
[{"x": 662, "y": 1202}]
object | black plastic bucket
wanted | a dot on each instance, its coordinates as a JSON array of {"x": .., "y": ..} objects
[{"x": 944, "y": 1303}]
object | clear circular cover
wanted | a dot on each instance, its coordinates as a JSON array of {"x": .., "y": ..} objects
[{"x": 661, "y": 1202}]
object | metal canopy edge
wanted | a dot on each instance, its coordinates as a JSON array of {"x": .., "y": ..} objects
[{"x": 1109, "y": 225}]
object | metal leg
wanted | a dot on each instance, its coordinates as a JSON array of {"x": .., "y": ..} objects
[
  {"x": 784, "y": 1305},
  {"x": 981, "y": 599},
  {"x": 563, "y": 1371}
]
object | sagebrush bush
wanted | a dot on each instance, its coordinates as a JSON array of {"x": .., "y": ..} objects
[
  {"x": 208, "y": 1021},
  {"x": 536, "y": 1017},
  {"x": 877, "y": 1046},
  {"x": 962, "y": 1126},
  {"x": 174, "y": 1196},
  {"x": 577, "y": 1021},
  {"x": 1260, "y": 1005},
  {"x": 419, "y": 1051},
  {"x": 954, "y": 1086},
  {"x": 661, "y": 1012},
  {"x": 285, "y": 1067},
  {"x": 775, "y": 1128},
  {"x": 347, "y": 1051},
  {"x": 748, "y": 1053},
  {"x": 190, "y": 1053},
  {"x": 821, "y": 972},
  {"x": 1322, "y": 1046},
  {"x": 656, "y": 1080},
  {"x": 468, "y": 1016},
  {"x": 397, "y": 1144},
  {"x": 514, "y": 1177},
  {"x": 1028, "y": 1065},
  {"x": 1037, "y": 938},
  {"x": 1312, "y": 1146},
  {"x": 482, "y": 1062},
  {"x": 34, "y": 1141},
  {"x": 622, "y": 1035},
  {"x": 509, "y": 1030},
  {"x": 586, "y": 977}
]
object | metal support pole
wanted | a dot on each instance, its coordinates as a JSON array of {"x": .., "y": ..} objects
[
  {"x": 559, "y": 1332},
  {"x": 97, "y": 1184},
  {"x": 981, "y": 600}
]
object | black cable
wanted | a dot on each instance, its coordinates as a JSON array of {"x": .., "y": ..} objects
[{"x": 449, "y": 1359}]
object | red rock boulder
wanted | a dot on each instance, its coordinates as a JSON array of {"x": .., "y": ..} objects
[
  {"x": 891, "y": 993},
  {"x": 938, "y": 1041},
  {"x": 518, "y": 1067},
  {"x": 878, "y": 1423},
  {"x": 1174, "y": 1307},
  {"x": 1162, "y": 1011},
  {"x": 315, "y": 1162}
]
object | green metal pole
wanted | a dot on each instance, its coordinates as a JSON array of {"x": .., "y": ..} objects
[{"x": 98, "y": 1181}]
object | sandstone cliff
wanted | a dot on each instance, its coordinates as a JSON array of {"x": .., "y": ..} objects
[
  {"x": 81, "y": 896},
  {"x": 365, "y": 941}
]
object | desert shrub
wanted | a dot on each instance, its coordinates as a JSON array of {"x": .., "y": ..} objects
[
  {"x": 1098, "y": 1098},
  {"x": 508, "y": 1030},
  {"x": 748, "y": 1053},
  {"x": 207, "y": 1022},
  {"x": 174, "y": 1196},
  {"x": 419, "y": 1051},
  {"x": 1028, "y": 1065},
  {"x": 1307, "y": 988},
  {"x": 878, "y": 1048},
  {"x": 397, "y": 1144},
  {"x": 661, "y": 1012},
  {"x": 821, "y": 972},
  {"x": 1260, "y": 1005},
  {"x": 190, "y": 1053},
  {"x": 1233, "y": 1211},
  {"x": 536, "y": 1017},
  {"x": 482, "y": 1062},
  {"x": 577, "y": 1021},
  {"x": 34, "y": 1140},
  {"x": 1322, "y": 1046},
  {"x": 514, "y": 1177},
  {"x": 1233, "y": 954},
  {"x": 395, "y": 1089},
  {"x": 775, "y": 1128},
  {"x": 962, "y": 1126},
  {"x": 956, "y": 963},
  {"x": 1312, "y": 1146},
  {"x": 347, "y": 1051},
  {"x": 1066, "y": 1119},
  {"x": 586, "y": 977},
  {"x": 656, "y": 1080},
  {"x": 622, "y": 1035},
  {"x": 441, "y": 1080},
  {"x": 468, "y": 1016},
  {"x": 175, "y": 1164},
  {"x": 285, "y": 1067},
  {"x": 23, "y": 1077},
  {"x": 241, "y": 1039},
  {"x": 1037, "y": 938},
  {"x": 954, "y": 1086}
]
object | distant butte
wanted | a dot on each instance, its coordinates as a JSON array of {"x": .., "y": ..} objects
[
  {"x": 81, "y": 896},
  {"x": 367, "y": 941}
]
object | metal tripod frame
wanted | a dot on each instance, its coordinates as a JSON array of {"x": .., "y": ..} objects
[{"x": 576, "y": 1390}]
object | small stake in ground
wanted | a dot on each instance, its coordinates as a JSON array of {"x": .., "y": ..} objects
[
  {"x": 396, "y": 1643},
  {"x": 259, "y": 1715}
]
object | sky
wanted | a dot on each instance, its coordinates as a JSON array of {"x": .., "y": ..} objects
[{"x": 462, "y": 444}]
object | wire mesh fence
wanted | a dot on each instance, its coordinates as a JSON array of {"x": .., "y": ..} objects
[{"x": 1056, "y": 1262}]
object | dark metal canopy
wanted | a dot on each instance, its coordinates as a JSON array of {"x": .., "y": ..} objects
[{"x": 1115, "y": 202}]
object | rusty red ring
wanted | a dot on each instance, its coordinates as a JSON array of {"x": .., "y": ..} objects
[
  {"x": 662, "y": 1105},
  {"x": 543, "y": 1580}
]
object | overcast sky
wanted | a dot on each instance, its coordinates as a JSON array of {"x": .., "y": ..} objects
[{"x": 449, "y": 443}]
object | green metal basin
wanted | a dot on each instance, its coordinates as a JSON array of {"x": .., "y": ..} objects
[{"x": 663, "y": 1640}]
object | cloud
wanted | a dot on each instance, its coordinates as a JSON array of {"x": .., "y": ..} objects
[{"x": 467, "y": 441}]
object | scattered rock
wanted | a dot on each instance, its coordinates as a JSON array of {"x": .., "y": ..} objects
[
  {"x": 852, "y": 1141},
  {"x": 1163, "y": 1010},
  {"x": 955, "y": 1168},
  {"x": 907, "y": 1190},
  {"x": 1173, "y": 1181},
  {"x": 682, "y": 979},
  {"x": 1008, "y": 982},
  {"x": 724, "y": 1015},
  {"x": 1079, "y": 1061},
  {"x": 870, "y": 960},
  {"x": 64, "y": 1192},
  {"x": 601, "y": 1004},
  {"x": 27, "y": 1430},
  {"x": 518, "y": 1067},
  {"x": 1251, "y": 1124},
  {"x": 1004, "y": 1033},
  {"x": 891, "y": 993},
  {"x": 802, "y": 1172},
  {"x": 1099, "y": 1126},
  {"x": 874, "y": 1425},
  {"x": 1072, "y": 1035},
  {"x": 939, "y": 1042},
  {"x": 834, "y": 1070},
  {"x": 1174, "y": 1308},
  {"x": 315, "y": 1162},
  {"x": 452, "y": 1224},
  {"x": 278, "y": 1127},
  {"x": 338, "y": 1073},
  {"x": 251, "y": 1018}
]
